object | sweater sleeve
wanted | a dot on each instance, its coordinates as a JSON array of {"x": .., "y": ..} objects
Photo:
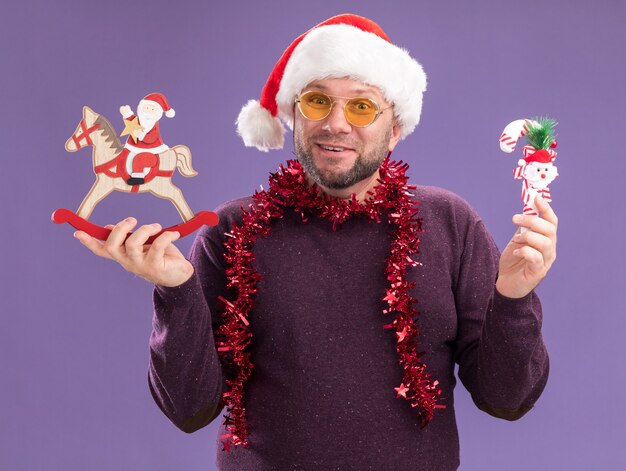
[
  {"x": 502, "y": 359},
  {"x": 185, "y": 375}
]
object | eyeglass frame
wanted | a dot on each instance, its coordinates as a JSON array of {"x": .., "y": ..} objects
[{"x": 379, "y": 111}]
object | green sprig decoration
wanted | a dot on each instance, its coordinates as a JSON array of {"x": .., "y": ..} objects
[{"x": 541, "y": 135}]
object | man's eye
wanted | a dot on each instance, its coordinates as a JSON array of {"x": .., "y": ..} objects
[
  {"x": 361, "y": 105},
  {"x": 319, "y": 100}
]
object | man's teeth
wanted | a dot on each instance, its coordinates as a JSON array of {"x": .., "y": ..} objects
[{"x": 334, "y": 149}]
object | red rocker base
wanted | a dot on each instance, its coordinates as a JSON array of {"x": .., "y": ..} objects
[{"x": 63, "y": 215}]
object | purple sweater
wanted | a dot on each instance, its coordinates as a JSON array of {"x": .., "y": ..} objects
[{"x": 322, "y": 392}]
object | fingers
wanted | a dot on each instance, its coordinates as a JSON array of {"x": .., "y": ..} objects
[
  {"x": 532, "y": 256},
  {"x": 159, "y": 262},
  {"x": 136, "y": 241},
  {"x": 93, "y": 244},
  {"x": 537, "y": 244},
  {"x": 545, "y": 211},
  {"x": 536, "y": 224},
  {"x": 159, "y": 246},
  {"x": 543, "y": 246},
  {"x": 114, "y": 244},
  {"x": 534, "y": 239}
]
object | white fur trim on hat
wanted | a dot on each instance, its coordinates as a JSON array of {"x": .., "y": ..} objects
[
  {"x": 335, "y": 51},
  {"x": 258, "y": 128}
]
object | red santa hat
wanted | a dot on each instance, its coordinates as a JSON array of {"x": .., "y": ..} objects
[
  {"x": 159, "y": 99},
  {"x": 342, "y": 46},
  {"x": 542, "y": 156}
]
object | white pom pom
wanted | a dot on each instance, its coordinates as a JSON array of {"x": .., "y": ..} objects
[
  {"x": 521, "y": 162},
  {"x": 258, "y": 128},
  {"x": 170, "y": 113}
]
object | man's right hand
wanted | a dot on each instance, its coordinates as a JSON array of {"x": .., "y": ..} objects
[
  {"x": 125, "y": 110},
  {"x": 160, "y": 263}
]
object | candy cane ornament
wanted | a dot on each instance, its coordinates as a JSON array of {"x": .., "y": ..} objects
[
  {"x": 536, "y": 169},
  {"x": 513, "y": 132}
]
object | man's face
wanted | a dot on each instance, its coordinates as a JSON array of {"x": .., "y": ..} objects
[{"x": 362, "y": 149}]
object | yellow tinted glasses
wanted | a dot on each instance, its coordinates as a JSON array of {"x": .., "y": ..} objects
[{"x": 359, "y": 111}]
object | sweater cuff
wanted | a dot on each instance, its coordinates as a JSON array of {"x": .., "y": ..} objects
[
  {"x": 513, "y": 301},
  {"x": 182, "y": 295},
  {"x": 515, "y": 311}
]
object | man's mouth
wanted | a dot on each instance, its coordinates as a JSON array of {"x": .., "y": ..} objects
[{"x": 333, "y": 148}]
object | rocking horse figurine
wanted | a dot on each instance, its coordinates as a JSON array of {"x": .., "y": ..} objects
[{"x": 132, "y": 169}]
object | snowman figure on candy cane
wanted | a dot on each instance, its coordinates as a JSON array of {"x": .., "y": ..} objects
[{"x": 536, "y": 169}]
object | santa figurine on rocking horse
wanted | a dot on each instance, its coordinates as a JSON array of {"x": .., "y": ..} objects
[
  {"x": 144, "y": 142},
  {"x": 143, "y": 164}
]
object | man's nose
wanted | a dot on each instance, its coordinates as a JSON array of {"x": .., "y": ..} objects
[{"x": 336, "y": 121}]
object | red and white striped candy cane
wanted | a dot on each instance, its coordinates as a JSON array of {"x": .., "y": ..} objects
[
  {"x": 528, "y": 197},
  {"x": 512, "y": 133}
]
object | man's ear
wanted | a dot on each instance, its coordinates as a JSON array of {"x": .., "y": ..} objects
[{"x": 395, "y": 134}]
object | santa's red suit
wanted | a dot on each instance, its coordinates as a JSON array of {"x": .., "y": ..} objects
[
  {"x": 143, "y": 153},
  {"x": 152, "y": 141},
  {"x": 141, "y": 156}
]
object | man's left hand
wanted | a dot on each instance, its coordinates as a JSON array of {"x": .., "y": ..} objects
[{"x": 526, "y": 259}]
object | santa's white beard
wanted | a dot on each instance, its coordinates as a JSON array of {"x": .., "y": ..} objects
[{"x": 147, "y": 121}]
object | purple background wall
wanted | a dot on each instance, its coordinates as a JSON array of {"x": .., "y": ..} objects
[{"x": 73, "y": 342}]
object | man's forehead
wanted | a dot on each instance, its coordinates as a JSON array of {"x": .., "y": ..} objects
[{"x": 347, "y": 85}]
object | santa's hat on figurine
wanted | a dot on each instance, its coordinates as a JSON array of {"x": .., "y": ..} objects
[
  {"x": 541, "y": 156},
  {"x": 159, "y": 100},
  {"x": 342, "y": 46}
]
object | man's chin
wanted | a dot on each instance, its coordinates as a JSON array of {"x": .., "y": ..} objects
[
  {"x": 337, "y": 173},
  {"x": 339, "y": 179},
  {"x": 334, "y": 183}
]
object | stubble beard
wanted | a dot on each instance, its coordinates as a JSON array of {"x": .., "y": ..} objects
[{"x": 364, "y": 166}]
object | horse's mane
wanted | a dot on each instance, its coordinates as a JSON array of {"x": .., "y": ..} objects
[{"x": 109, "y": 134}]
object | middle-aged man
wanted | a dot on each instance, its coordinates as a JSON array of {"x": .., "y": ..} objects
[{"x": 299, "y": 311}]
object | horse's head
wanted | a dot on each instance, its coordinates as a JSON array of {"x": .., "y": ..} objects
[{"x": 82, "y": 133}]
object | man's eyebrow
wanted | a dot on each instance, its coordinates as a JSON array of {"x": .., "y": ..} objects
[
  {"x": 357, "y": 91},
  {"x": 364, "y": 90}
]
